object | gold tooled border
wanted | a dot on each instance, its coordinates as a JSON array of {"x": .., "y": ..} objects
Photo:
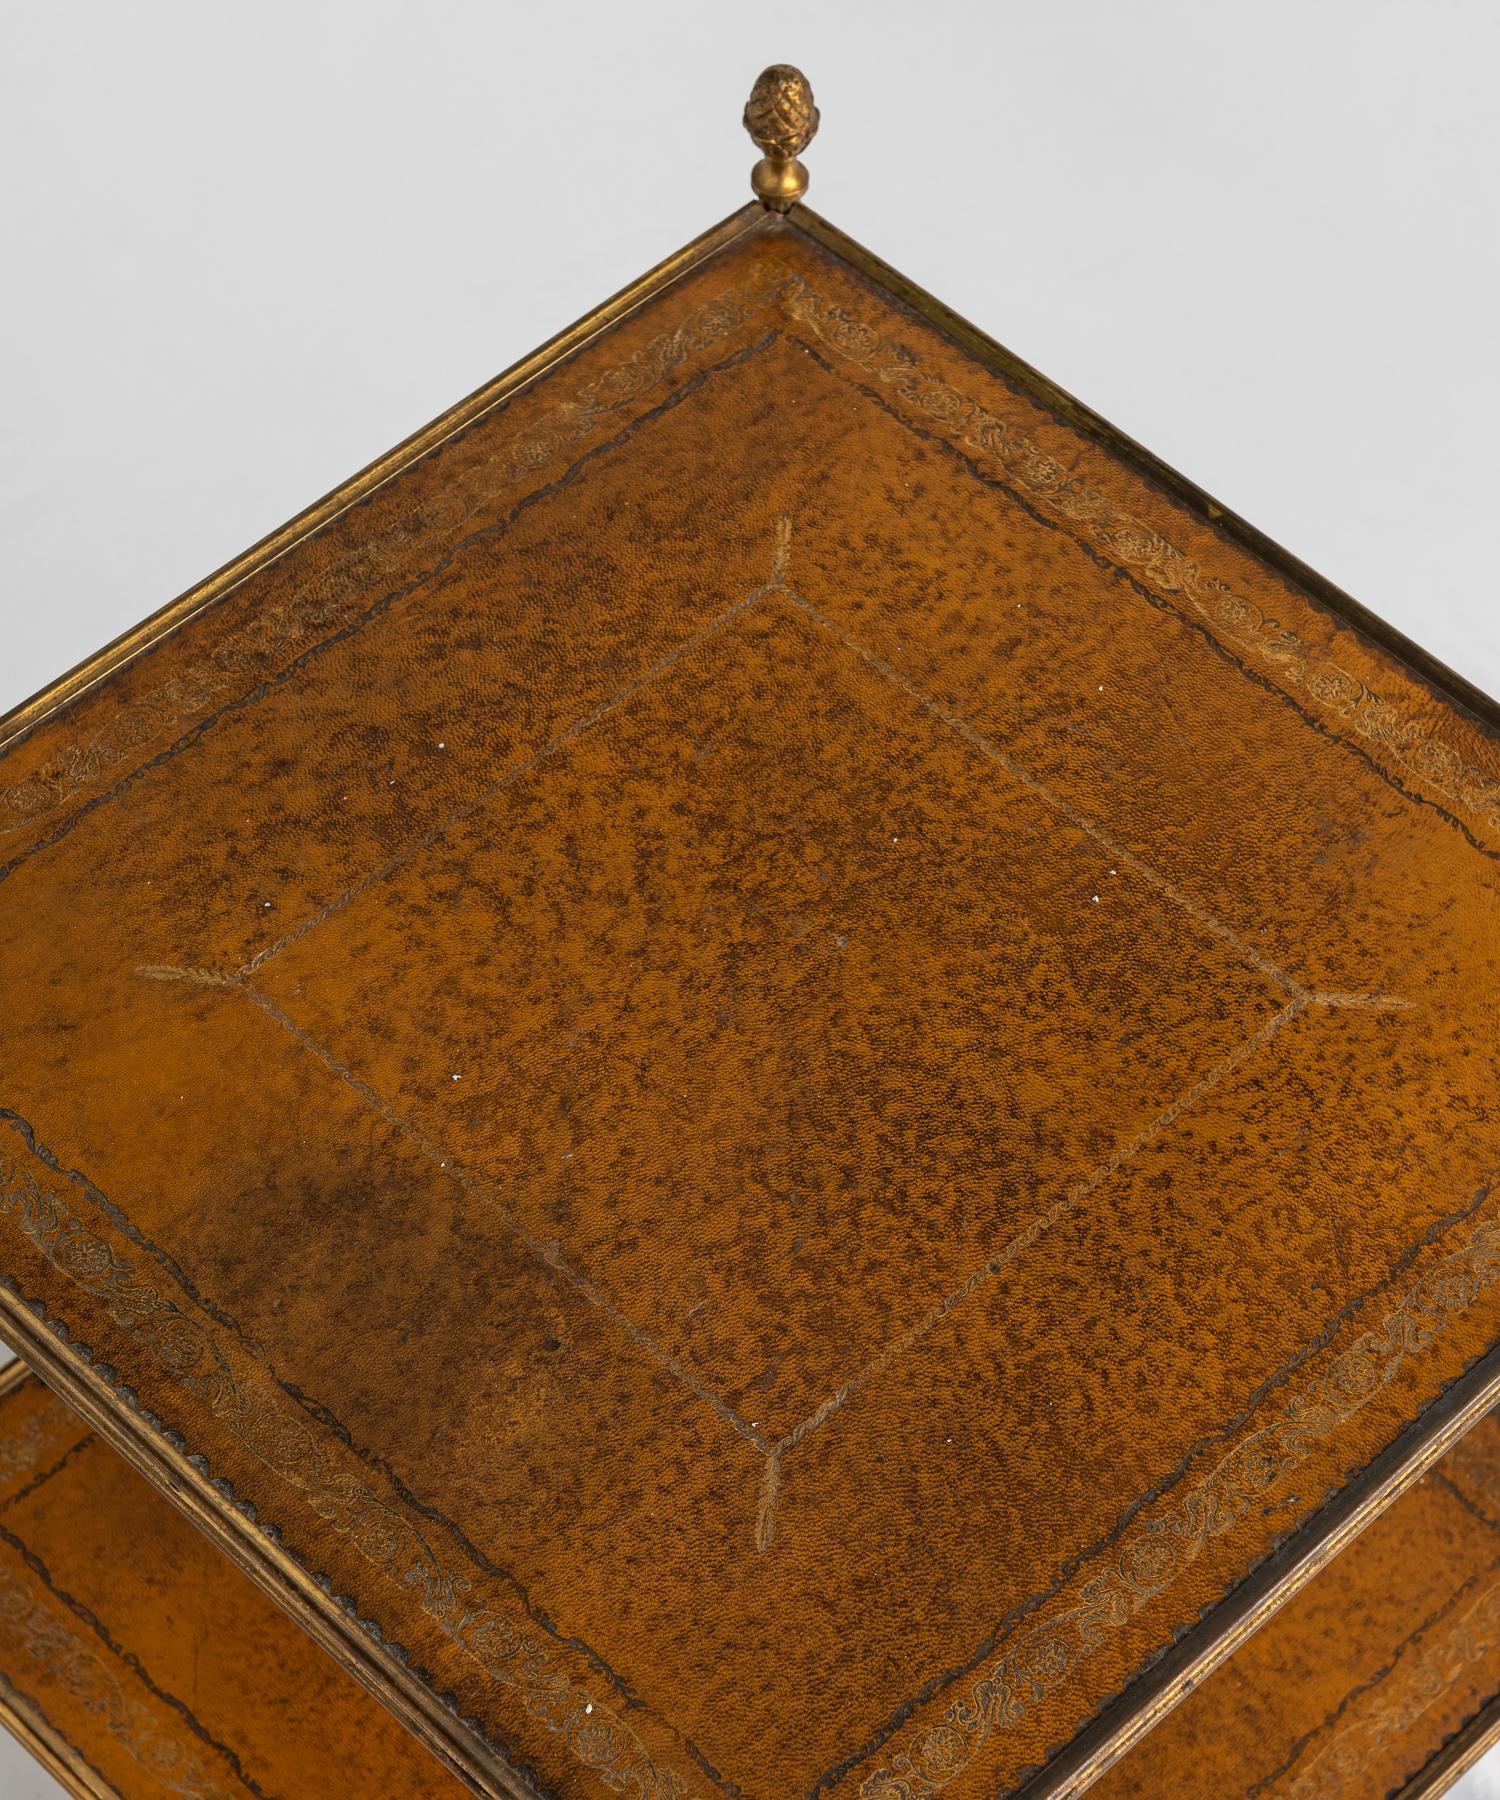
[
  {"x": 530, "y": 369},
  {"x": 1457, "y": 1756},
  {"x": 61, "y": 1759},
  {"x": 55, "y": 1755},
  {"x": 466, "y": 1755},
  {"x": 460, "y": 1749},
  {"x": 1452, "y": 686},
  {"x": 1122, "y": 1721}
]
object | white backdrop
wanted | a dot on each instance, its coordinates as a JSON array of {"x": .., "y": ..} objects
[{"x": 250, "y": 246}]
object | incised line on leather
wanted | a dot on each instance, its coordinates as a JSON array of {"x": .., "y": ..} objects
[
  {"x": 1131, "y": 545},
  {"x": 1300, "y": 999}
]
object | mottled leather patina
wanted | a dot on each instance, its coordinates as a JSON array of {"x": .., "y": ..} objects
[
  {"x": 133, "y": 1653},
  {"x": 770, "y": 1072}
]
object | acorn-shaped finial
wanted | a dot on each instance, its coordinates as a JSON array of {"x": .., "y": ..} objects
[{"x": 782, "y": 119}]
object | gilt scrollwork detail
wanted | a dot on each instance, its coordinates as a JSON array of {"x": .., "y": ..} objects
[
  {"x": 1350, "y": 1763},
  {"x": 57, "y": 1646},
  {"x": 1165, "y": 1543},
  {"x": 333, "y": 596},
  {"x": 1142, "y": 550},
  {"x": 517, "y": 1656}
]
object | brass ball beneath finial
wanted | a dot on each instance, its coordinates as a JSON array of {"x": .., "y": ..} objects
[
  {"x": 777, "y": 184},
  {"x": 782, "y": 119}
]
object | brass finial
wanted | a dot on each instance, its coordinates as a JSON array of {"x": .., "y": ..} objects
[{"x": 782, "y": 119}]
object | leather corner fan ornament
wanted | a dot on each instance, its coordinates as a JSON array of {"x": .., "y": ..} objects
[{"x": 771, "y": 1075}]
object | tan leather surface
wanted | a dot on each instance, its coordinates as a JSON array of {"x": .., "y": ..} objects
[
  {"x": 1359, "y": 1681},
  {"x": 771, "y": 1054},
  {"x": 164, "y": 1671}
]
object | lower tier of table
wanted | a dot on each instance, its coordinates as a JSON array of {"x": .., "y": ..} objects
[
  {"x": 1380, "y": 1678},
  {"x": 137, "y": 1662}
]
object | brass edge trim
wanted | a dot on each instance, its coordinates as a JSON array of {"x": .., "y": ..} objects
[
  {"x": 46, "y": 1745},
  {"x": 1457, "y": 1756},
  {"x": 265, "y": 1563},
  {"x": 26, "y": 716},
  {"x": 257, "y": 1556},
  {"x": 1224, "y": 1627},
  {"x": 12, "y": 1376},
  {"x": 1122, "y": 1721},
  {"x": 1452, "y": 686},
  {"x": 78, "y": 1384}
]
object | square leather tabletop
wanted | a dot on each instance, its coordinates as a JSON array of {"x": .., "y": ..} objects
[{"x": 770, "y": 1072}]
